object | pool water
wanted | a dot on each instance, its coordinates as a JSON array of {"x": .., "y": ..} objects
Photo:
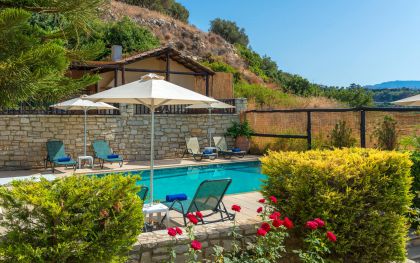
[{"x": 246, "y": 177}]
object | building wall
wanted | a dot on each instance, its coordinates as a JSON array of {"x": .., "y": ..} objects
[{"x": 23, "y": 137}]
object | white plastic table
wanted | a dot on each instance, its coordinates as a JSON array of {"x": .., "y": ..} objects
[
  {"x": 150, "y": 209},
  {"x": 86, "y": 158}
]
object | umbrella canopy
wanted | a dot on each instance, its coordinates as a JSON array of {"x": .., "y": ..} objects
[
  {"x": 211, "y": 106},
  {"x": 152, "y": 91},
  {"x": 410, "y": 101},
  {"x": 82, "y": 104}
]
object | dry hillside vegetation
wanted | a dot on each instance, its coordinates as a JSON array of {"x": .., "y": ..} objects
[{"x": 198, "y": 45}]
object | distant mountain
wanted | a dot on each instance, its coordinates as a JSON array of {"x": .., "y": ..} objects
[{"x": 397, "y": 84}]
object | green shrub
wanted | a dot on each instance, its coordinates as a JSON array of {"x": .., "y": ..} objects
[
  {"x": 239, "y": 129},
  {"x": 229, "y": 31},
  {"x": 363, "y": 194},
  {"x": 168, "y": 7},
  {"x": 131, "y": 36},
  {"x": 219, "y": 66},
  {"x": 415, "y": 172},
  {"x": 341, "y": 135},
  {"x": 74, "y": 219},
  {"x": 386, "y": 134},
  {"x": 263, "y": 96}
]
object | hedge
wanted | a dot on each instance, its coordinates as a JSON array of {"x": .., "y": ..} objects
[
  {"x": 415, "y": 172},
  {"x": 74, "y": 219},
  {"x": 363, "y": 194}
]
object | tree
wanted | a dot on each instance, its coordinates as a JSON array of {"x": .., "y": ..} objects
[
  {"x": 229, "y": 31},
  {"x": 34, "y": 58}
]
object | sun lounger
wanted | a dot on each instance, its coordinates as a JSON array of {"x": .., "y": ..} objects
[
  {"x": 104, "y": 153},
  {"x": 56, "y": 155},
  {"x": 221, "y": 145},
  {"x": 208, "y": 197},
  {"x": 193, "y": 148}
]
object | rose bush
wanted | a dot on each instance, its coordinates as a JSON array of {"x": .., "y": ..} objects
[{"x": 362, "y": 194}]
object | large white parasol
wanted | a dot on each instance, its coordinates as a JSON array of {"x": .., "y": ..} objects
[
  {"x": 410, "y": 101},
  {"x": 85, "y": 105},
  {"x": 210, "y": 107},
  {"x": 152, "y": 91}
]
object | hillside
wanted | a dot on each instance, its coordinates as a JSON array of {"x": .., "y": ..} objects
[
  {"x": 204, "y": 45},
  {"x": 184, "y": 37},
  {"x": 411, "y": 84}
]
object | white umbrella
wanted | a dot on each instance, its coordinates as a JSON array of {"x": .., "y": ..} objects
[
  {"x": 152, "y": 91},
  {"x": 84, "y": 105},
  {"x": 210, "y": 107},
  {"x": 410, "y": 101}
]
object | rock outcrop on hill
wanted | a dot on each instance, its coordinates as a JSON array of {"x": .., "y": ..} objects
[{"x": 184, "y": 37}]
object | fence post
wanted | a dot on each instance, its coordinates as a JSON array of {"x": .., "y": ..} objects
[
  {"x": 362, "y": 129},
  {"x": 309, "y": 129}
]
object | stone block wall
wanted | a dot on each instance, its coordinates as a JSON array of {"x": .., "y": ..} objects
[
  {"x": 155, "y": 246},
  {"x": 23, "y": 137}
]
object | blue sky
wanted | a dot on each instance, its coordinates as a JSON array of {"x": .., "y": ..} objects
[{"x": 332, "y": 42}]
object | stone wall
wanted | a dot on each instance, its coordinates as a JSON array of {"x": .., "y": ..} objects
[
  {"x": 155, "y": 246},
  {"x": 23, "y": 137}
]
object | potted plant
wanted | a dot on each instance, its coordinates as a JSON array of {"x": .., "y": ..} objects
[{"x": 241, "y": 132}]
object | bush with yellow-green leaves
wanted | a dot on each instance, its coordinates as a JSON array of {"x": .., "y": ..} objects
[
  {"x": 74, "y": 219},
  {"x": 363, "y": 195}
]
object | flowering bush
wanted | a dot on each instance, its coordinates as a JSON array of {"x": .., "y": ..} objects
[
  {"x": 363, "y": 195},
  {"x": 269, "y": 240}
]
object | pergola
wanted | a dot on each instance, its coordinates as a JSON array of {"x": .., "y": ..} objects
[{"x": 166, "y": 54}]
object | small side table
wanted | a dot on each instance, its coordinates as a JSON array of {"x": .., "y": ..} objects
[
  {"x": 150, "y": 209},
  {"x": 85, "y": 158}
]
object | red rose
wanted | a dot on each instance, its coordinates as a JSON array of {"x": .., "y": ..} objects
[
  {"x": 320, "y": 222},
  {"x": 277, "y": 222},
  {"x": 288, "y": 223},
  {"x": 178, "y": 230},
  {"x": 261, "y": 232},
  {"x": 192, "y": 218},
  {"x": 273, "y": 199},
  {"x": 266, "y": 226},
  {"x": 196, "y": 245},
  {"x": 331, "y": 236},
  {"x": 259, "y": 210},
  {"x": 311, "y": 225},
  {"x": 262, "y": 201},
  {"x": 172, "y": 232},
  {"x": 236, "y": 208},
  {"x": 275, "y": 215},
  {"x": 199, "y": 214}
]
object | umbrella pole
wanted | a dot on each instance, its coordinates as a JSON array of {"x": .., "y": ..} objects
[
  {"x": 209, "y": 126},
  {"x": 85, "y": 132},
  {"x": 152, "y": 152}
]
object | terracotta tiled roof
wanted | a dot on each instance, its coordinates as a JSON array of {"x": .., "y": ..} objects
[{"x": 161, "y": 52}]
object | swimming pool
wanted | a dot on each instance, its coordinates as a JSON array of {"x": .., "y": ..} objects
[{"x": 246, "y": 177}]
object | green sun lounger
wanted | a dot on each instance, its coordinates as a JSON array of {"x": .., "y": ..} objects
[
  {"x": 193, "y": 148},
  {"x": 143, "y": 193},
  {"x": 208, "y": 197},
  {"x": 56, "y": 155},
  {"x": 222, "y": 148},
  {"x": 104, "y": 153}
]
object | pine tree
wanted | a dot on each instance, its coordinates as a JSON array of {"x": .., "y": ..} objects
[{"x": 34, "y": 48}]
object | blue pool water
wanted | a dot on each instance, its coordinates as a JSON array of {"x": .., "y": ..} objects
[{"x": 246, "y": 177}]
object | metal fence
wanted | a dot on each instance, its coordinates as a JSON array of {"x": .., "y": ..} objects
[
  {"x": 182, "y": 109},
  {"x": 307, "y": 124}
]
